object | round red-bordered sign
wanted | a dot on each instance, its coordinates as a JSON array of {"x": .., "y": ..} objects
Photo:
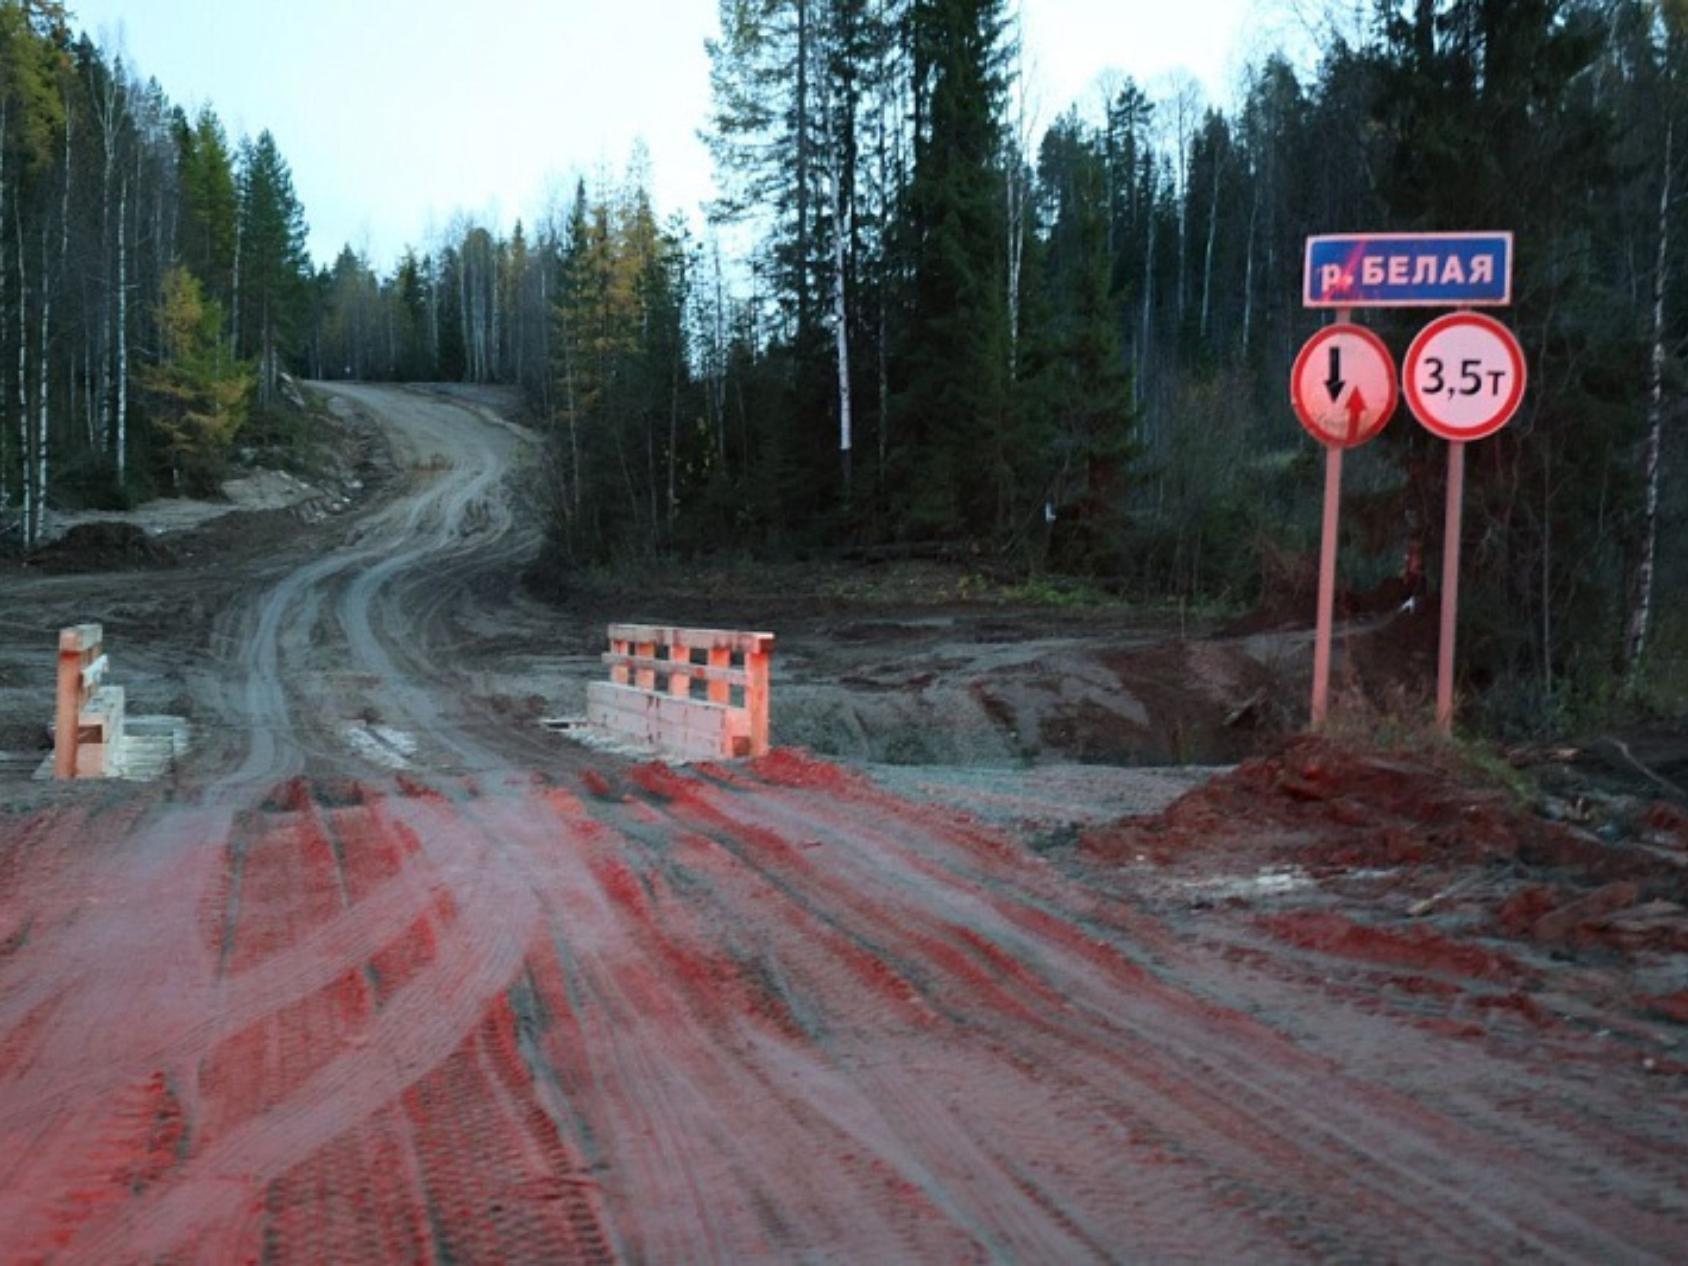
[
  {"x": 1464, "y": 376},
  {"x": 1343, "y": 386}
]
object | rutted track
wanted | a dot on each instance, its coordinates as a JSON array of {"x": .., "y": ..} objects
[{"x": 489, "y": 1011}]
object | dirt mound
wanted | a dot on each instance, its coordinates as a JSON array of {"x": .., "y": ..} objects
[
  {"x": 102, "y": 547},
  {"x": 1429, "y": 831}
]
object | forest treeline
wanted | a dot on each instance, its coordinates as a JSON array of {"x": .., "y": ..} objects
[
  {"x": 1049, "y": 344},
  {"x": 153, "y": 277},
  {"x": 1066, "y": 346}
]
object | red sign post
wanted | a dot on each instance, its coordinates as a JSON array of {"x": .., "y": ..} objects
[
  {"x": 1343, "y": 390},
  {"x": 1465, "y": 378}
]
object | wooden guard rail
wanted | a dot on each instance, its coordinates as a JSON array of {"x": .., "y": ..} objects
[
  {"x": 88, "y": 721},
  {"x": 673, "y": 718}
]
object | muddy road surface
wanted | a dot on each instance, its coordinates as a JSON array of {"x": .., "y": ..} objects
[{"x": 386, "y": 976}]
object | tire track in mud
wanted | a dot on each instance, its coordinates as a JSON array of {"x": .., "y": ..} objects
[
  {"x": 735, "y": 1015},
  {"x": 309, "y": 998},
  {"x": 1403, "y": 1153}
]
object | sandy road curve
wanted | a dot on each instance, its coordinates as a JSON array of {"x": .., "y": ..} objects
[
  {"x": 498, "y": 1009},
  {"x": 328, "y": 641}
]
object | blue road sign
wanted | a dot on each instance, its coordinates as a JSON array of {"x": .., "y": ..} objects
[{"x": 1408, "y": 270}]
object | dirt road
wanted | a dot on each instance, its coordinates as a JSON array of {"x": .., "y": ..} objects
[{"x": 389, "y": 979}]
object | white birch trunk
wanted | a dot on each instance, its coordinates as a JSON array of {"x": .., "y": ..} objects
[
  {"x": 719, "y": 386},
  {"x": 110, "y": 110},
  {"x": 1641, "y": 612},
  {"x": 1148, "y": 287},
  {"x": 1248, "y": 269},
  {"x": 495, "y": 352},
  {"x": 1207, "y": 263},
  {"x": 463, "y": 314},
  {"x": 4, "y": 111},
  {"x": 840, "y": 309},
  {"x": 25, "y": 448},
  {"x": 234, "y": 289},
  {"x": 1016, "y": 254},
  {"x": 122, "y": 417},
  {"x": 43, "y": 434},
  {"x": 43, "y": 371},
  {"x": 104, "y": 389},
  {"x": 1017, "y": 194}
]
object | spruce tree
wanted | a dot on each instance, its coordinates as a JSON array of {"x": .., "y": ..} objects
[{"x": 954, "y": 445}]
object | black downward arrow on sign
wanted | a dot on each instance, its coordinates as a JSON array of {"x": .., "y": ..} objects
[{"x": 1334, "y": 383}]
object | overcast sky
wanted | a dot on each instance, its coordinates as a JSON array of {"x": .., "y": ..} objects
[{"x": 396, "y": 113}]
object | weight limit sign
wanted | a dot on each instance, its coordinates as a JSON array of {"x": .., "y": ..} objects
[{"x": 1464, "y": 376}]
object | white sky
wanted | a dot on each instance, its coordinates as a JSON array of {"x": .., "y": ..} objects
[{"x": 394, "y": 114}]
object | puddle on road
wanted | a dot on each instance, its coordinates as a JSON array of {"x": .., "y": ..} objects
[{"x": 382, "y": 744}]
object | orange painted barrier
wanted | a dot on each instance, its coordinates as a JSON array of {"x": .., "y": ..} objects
[
  {"x": 88, "y": 721},
  {"x": 731, "y": 670}
]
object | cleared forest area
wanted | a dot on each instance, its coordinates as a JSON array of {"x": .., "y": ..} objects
[{"x": 1054, "y": 344}]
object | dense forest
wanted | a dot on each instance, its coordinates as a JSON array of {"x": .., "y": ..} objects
[
  {"x": 153, "y": 278},
  {"x": 921, "y": 318}
]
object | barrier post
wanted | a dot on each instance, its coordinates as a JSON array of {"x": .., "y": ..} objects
[
  {"x": 719, "y": 690},
  {"x": 68, "y": 712},
  {"x": 679, "y": 680},
  {"x": 756, "y": 700}
]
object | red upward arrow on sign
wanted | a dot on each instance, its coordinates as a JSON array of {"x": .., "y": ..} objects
[{"x": 1356, "y": 411}]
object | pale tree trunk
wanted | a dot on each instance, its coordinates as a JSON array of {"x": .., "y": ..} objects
[
  {"x": 883, "y": 164},
  {"x": 1185, "y": 139},
  {"x": 4, "y": 110},
  {"x": 110, "y": 110},
  {"x": 433, "y": 317},
  {"x": 569, "y": 403},
  {"x": 463, "y": 314},
  {"x": 234, "y": 285},
  {"x": 25, "y": 448},
  {"x": 1212, "y": 232},
  {"x": 1641, "y": 609},
  {"x": 1248, "y": 268},
  {"x": 1016, "y": 255},
  {"x": 495, "y": 346},
  {"x": 883, "y": 357},
  {"x": 123, "y": 332},
  {"x": 544, "y": 374},
  {"x": 163, "y": 251},
  {"x": 1148, "y": 286},
  {"x": 64, "y": 204},
  {"x": 802, "y": 172},
  {"x": 840, "y": 302},
  {"x": 673, "y": 445},
  {"x": 43, "y": 434},
  {"x": 1018, "y": 194},
  {"x": 43, "y": 372},
  {"x": 518, "y": 326},
  {"x": 104, "y": 388},
  {"x": 719, "y": 387}
]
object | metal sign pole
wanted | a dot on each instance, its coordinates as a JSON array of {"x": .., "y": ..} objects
[
  {"x": 1327, "y": 587},
  {"x": 1327, "y": 574},
  {"x": 1450, "y": 587}
]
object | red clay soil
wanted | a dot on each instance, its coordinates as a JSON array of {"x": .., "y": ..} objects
[
  {"x": 771, "y": 1013},
  {"x": 1333, "y": 810},
  {"x": 1399, "y": 886}
]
